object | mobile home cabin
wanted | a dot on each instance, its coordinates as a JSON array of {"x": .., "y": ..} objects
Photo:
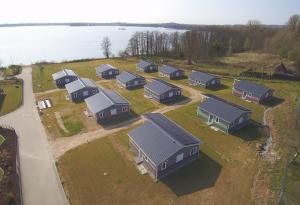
[
  {"x": 161, "y": 146},
  {"x": 204, "y": 80},
  {"x": 171, "y": 72},
  {"x": 64, "y": 77},
  {"x": 130, "y": 80},
  {"x": 107, "y": 104},
  {"x": 251, "y": 91},
  {"x": 107, "y": 71},
  {"x": 162, "y": 91},
  {"x": 146, "y": 66},
  {"x": 81, "y": 89},
  {"x": 224, "y": 115}
]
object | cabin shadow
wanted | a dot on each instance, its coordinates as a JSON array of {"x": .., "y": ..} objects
[
  {"x": 119, "y": 121},
  {"x": 200, "y": 174},
  {"x": 135, "y": 88},
  {"x": 251, "y": 132},
  {"x": 220, "y": 87},
  {"x": 274, "y": 101},
  {"x": 179, "y": 101},
  {"x": 2, "y": 98}
]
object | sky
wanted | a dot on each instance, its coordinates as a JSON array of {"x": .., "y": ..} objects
[{"x": 148, "y": 11}]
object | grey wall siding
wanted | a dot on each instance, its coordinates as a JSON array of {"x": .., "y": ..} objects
[
  {"x": 172, "y": 165},
  {"x": 60, "y": 83},
  {"x": 236, "y": 125},
  {"x": 105, "y": 114},
  {"x": 79, "y": 95},
  {"x": 177, "y": 74},
  {"x": 166, "y": 96},
  {"x": 208, "y": 84},
  {"x": 107, "y": 74},
  {"x": 140, "y": 82}
]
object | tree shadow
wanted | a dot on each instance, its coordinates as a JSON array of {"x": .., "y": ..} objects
[
  {"x": 273, "y": 101},
  {"x": 251, "y": 132},
  {"x": 119, "y": 120},
  {"x": 200, "y": 174}
]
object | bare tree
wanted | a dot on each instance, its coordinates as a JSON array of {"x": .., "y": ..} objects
[{"x": 106, "y": 45}]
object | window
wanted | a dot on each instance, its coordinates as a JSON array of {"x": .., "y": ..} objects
[
  {"x": 67, "y": 80},
  {"x": 250, "y": 94},
  {"x": 178, "y": 92},
  {"x": 177, "y": 74},
  {"x": 164, "y": 165},
  {"x": 170, "y": 94},
  {"x": 179, "y": 157},
  {"x": 85, "y": 93},
  {"x": 241, "y": 120},
  {"x": 101, "y": 115},
  {"x": 75, "y": 95},
  {"x": 110, "y": 72},
  {"x": 113, "y": 111},
  {"x": 124, "y": 109},
  {"x": 94, "y": 91},
  {"x": 217, "y": 120},
  {"x": 136, "y": 82},
  {"x": 193, "y": 151}
]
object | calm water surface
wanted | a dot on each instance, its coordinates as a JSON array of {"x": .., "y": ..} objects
[{"x": 26, "y": 45}]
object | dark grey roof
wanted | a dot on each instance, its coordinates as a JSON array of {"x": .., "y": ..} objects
[
  {"x": 251, "y": 87},
  {"x": 105, "y": 67},
  {"x": 159, "y": 86},
  {"x": 204, "y": 77},
  {"x": 160, "y": 138},
  {"x": 104, "y": 99},
  {"x": 168, "y": 69},
  {"x": 223, "y": 109},
  {"x": 126, "y": 76},
  {"x": 63, "y": 73},
  {"x": 144, "y": 63},
  {"x": 79, "y": 84}
]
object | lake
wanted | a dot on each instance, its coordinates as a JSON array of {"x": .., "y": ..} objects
[{"x": 27, "y": 45}]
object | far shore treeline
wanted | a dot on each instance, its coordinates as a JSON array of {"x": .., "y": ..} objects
[{"x": 209, "y": 42}]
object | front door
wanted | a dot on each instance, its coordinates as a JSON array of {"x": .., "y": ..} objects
[{"x": 210, "y": 119}]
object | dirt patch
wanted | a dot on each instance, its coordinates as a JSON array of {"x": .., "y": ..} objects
[
  {"x": 60, "y": 122},
  {"x": 123, "y": 151}
]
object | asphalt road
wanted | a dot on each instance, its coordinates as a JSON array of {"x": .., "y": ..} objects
[{"x": 40, "y": 182}]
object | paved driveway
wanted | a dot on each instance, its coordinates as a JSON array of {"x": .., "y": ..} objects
[{"x": 40, "y": 182}]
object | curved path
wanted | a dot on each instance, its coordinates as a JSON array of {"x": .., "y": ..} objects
[{"x": 40, "y": 180}]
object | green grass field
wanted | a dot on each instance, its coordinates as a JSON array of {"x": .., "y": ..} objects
[
  {"x": 1, "y": 173},
  {"x": 101, "y": 172},
  {"x": 2, "y": 139},
  {"x": 13, "y": 98}
]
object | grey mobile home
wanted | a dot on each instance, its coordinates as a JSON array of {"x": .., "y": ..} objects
[
  {"x": 130, "y": 80},
  {"x": 171, "y": 72},
  {"x": 162, "y": 91},
  {"x": 64, "y": 77},
  {"x": 81, "y": 89},
  {"x": 161, "y": 146},
  {"x": 251, "y": 91},
  {"x": 204, "y": 80},
  {"x": 107, "y": 104},
  {"x": 223, "y": 115},
  {"x": 146, "y": 66},
  {"x": 107, "y": 71}
]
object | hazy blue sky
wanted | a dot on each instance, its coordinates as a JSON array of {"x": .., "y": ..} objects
[{"x": 148, "y": 11}]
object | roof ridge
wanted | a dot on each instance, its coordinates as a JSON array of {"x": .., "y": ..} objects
[
  {"x": 107, "y": 97},
  {"x": 162, "y": 129},
  {"x": 65, "y": 72},
  {"x": 81, "y": 82},
  {"x": 228, "y": 102}
]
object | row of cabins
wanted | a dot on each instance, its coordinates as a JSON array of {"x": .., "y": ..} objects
[{"x": 160, "y": 145}]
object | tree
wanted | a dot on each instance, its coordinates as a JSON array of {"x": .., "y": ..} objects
[{"x": 106, "y": 45}]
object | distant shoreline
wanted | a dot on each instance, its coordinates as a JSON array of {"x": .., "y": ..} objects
[
  {"x": 154, "y": 25},
  {"x": 161, "y": 25}
]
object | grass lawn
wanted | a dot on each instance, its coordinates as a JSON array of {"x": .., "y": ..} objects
[
  {"x": 139, "y": 104},
  {"x": 1, "y": 173},
  {"x": 13, "y": 97},
  {"x": 2, "y": 139},
  {"x": 72, "y": 115}
]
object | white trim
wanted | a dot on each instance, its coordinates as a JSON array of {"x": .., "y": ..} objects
[{"x": 164, "y": 165}]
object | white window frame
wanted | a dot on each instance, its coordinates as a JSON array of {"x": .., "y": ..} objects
[
  {"x": 193, "y": 151},
  {"x": 164, "y": 165},
  {"x": 171, "y": 94},
  {"x": 110, "y": 72},
  {"x": 85, "y": 93},
  {"x": 124, "y": 109},
  {"x": 113, "y": 112},
  {"x": 179, "y": 157},
  {"x": 75, "y": 95},
  {"x": 67, "y": 80},
  {"x": 101, "y": 115},
  {"x": 217, "y": 119},
  {"x": 241, "y": 119}
]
